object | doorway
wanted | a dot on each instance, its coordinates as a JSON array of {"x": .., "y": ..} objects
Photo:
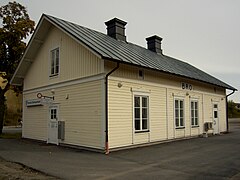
[
  {"x": 53, "y": 125},
  {"x": 215, "y": 119}
]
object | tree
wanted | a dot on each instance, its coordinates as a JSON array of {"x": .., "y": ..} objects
[
  {"x": 16, "y": 26},
  {"x": 233, "y": 111}
]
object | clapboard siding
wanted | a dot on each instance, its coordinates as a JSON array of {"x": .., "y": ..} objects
[
  {"x": 163, "y": 90},
  {"x": 35, "y": 120},
  {"x": 121, "y": 114},
  {"x": 75, "y": 61},
  {"x": 82, "y": 112}
]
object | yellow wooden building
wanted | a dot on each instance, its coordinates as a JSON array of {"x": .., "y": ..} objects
[{"x": 89, "y": 89}]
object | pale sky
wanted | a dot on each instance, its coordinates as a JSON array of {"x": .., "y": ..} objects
[{"x": 204, "y": 33}]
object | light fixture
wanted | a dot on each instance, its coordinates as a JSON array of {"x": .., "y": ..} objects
[{"x": 120, "y": 85}]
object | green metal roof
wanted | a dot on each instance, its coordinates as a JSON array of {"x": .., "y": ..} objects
[{"x": 126, "y": 52}]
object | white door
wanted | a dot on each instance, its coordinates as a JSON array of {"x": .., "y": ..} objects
[
  {"x": 215, "y": 119},
  {"x": 53, "y": 125}
]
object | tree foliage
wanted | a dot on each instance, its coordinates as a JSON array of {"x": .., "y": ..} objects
[
  {"x": 233, "y": 110},
  {"x": 16, "y": 26}
]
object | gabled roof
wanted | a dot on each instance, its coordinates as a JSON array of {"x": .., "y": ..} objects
[{"x": 109, "y": 48}]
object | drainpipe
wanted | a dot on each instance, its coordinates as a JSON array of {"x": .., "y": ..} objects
[
  {"x": 106, "y": 108},
  {"x": 227, "y": 109}
]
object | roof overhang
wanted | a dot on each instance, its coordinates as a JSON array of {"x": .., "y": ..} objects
[{"x": 33, "y": 46}]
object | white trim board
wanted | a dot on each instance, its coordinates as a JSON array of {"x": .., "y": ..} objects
[
  {"x": 169, "y": 87},
  {"x": 65, "y": 83}
]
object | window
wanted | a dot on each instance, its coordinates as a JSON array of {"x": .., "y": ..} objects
[
  {"x": 141, "y": 113},
  {"x": 179, "y": 113},
  {"x": 194, "y": 113},
  {"x": 53, "y": 113},
  {"x": 141, "y": 74},
  {"x": 54, "y": 62}
]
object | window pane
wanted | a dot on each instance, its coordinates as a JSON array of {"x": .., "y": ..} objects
[
  {"x": 137, "y": 124},
  {"x": 215, "y": 106},
  {"x": 196, "y": 105},
  {"x": 181, "y": 122},
  {"x": 176, "y": 104},
  {"x": 57, "y": 70},
  {"x": 137, "y": 101},
  {"x": 215, "y": 114},
  {"x": 196, "y": 113},
  {"x": 137, "y": 112},
  {"x": 177, "y": 122},
  {"x": 196, "y": 121},
  {"x": 144, "y": 102},
  {"x": 181, "y": 113},
  {"x": 52, "y": 58},
  {"x": 144, "y": 124},
  {"x": 192, "y": 113},
  {"x": 192, "y": 121},
  {"x": 176, "y": 113},
  {"x": 52, "y": 70},
  {"x": 144, "y": 113},
  {"x": 181, "y": 104},
  {"x": 57, "y": 53},
  {"x": 192, "y": 105}
]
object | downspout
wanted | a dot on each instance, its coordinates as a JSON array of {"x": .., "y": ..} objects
[
  {"x": 227, "y": 109},
  {"x": 106, "y": 108}
]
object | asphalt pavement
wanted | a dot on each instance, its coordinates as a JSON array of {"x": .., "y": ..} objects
[{"x": 215, "y": 157}]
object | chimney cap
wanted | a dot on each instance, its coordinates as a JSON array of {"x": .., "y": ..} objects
[
  {"x": 115, "y": 20},
  {"x": 154, "y": 37}
]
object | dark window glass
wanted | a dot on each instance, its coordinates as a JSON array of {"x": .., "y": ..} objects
[
  {"x": 137, "y": 112},
  {"x": 144, "y": 113},
  {"x": 144, "y": 102},
  {"x": 137, "y": 124},
  {"x": 181, "y": 122},
  {"x": 137, "y": 101},
  {"x": 215, "y": 114},
  {"x": 176, "y": 104},
  {"x": 177, "y": 122},
  {"x": 144, "y": 124}
]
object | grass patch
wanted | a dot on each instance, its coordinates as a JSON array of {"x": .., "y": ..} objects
[{"x": 11, "y": 135}]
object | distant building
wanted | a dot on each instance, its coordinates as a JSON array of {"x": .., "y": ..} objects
[{"x": 85, "y": 88}]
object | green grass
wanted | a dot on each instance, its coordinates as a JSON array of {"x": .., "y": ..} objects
[{"x": 11, "y": 135}]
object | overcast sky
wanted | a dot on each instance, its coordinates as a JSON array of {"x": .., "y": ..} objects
[{"x": 204, "y": 33}]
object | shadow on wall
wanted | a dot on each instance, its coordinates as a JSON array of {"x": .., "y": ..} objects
[{"x": 13, "y": 114}]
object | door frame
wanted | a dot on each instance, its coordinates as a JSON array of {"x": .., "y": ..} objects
[
  {"x": 215, "y": 119},
  {"x": 53, "y": 106}
]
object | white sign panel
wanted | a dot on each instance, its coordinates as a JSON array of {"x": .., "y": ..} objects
[{"x": 34, "y": 102}]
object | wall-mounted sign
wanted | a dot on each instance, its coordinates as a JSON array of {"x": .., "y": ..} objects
[
  {"x": 34, "y": 102},
  {"x": 187, "y": 86}
]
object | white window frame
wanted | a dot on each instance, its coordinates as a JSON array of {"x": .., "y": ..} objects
[
  {"x": 179, "y": 126},
  {"x": 195, "y": 114},
  {"x": 141, "y": 95},
  {"x": 53, "y": 62},
  {"x": 54, "y": 107}
]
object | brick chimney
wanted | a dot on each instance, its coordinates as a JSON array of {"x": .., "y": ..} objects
[
  {"x": 154, "y": 44},
  {"x": 116, "y": 29}
]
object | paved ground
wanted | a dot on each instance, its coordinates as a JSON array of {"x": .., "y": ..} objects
[{"x": 216, "y": 157}]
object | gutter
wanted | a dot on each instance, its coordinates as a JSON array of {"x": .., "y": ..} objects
[
  {"x": 106, "y": 108},
  {"x": 227, "y": 109}
]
